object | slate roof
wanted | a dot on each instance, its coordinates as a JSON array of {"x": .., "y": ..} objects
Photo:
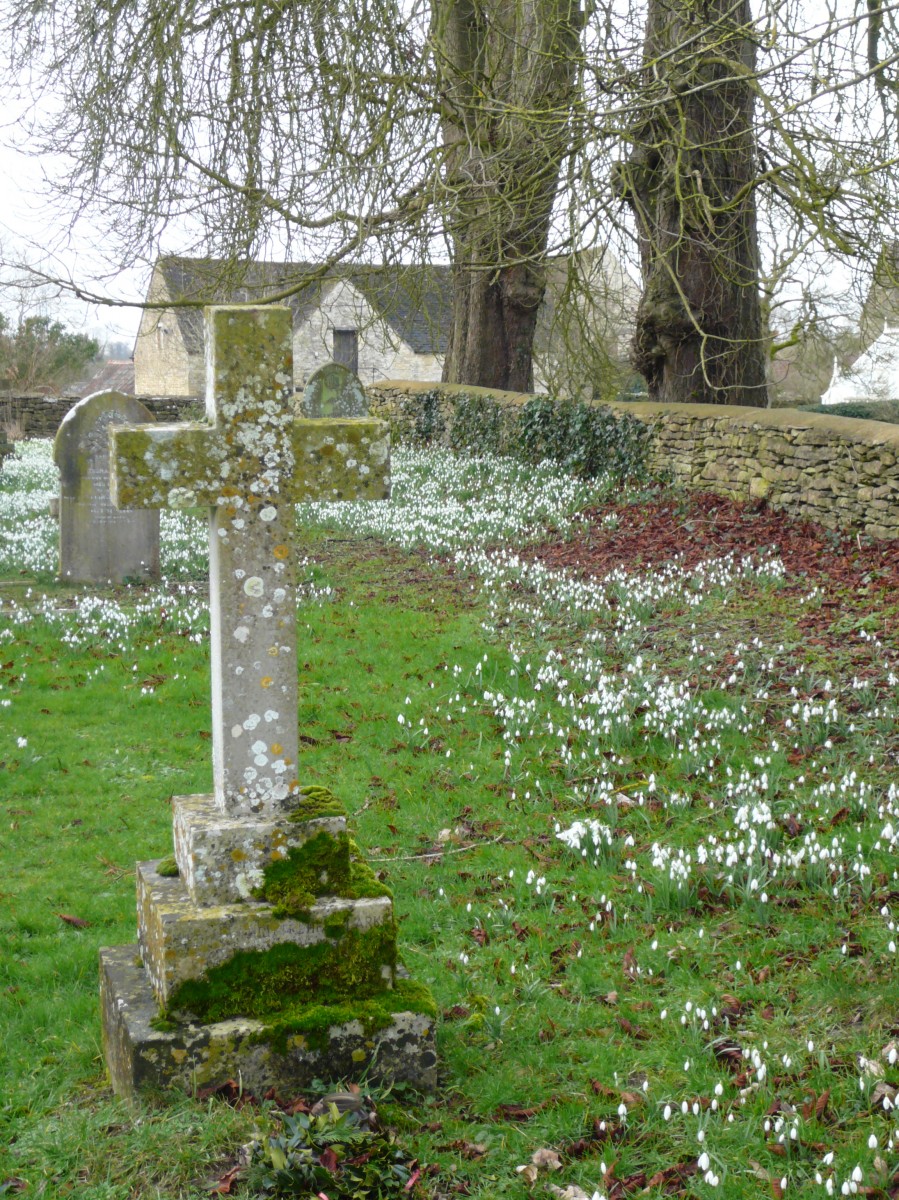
[
  {"x": 115, "y": 375},
  {"x": 415, "y": 301}
]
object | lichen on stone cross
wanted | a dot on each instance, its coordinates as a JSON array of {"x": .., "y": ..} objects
[{"x": 248, "y": 464}]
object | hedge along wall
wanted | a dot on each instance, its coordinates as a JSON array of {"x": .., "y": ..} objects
[{"x": 839, "y": 472}]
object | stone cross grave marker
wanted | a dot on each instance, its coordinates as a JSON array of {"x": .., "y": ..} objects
[
  {"x": 264, "y": 886},
  {"x": 97, "y": 543},
  {"x": 334, "y": 391}
]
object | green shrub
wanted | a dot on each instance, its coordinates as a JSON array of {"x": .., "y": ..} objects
[
  {"x": 587, "y": 440},
  {"x": 863, "y": 410}
]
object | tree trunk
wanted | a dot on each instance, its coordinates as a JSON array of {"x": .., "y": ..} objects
[
  {"x": 690, "y": 182},
  {"x": 507, "y": 74}
]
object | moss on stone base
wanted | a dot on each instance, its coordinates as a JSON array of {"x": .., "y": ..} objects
[
  {"x": 264, "y": 983},
  {"x": 312, "y": 1023},
  {"x": 319, "y": 867},
  {"x": 317, "y": 801},
  {"x": 167, "y": 867},
  {"x": 325, "y": 865}
]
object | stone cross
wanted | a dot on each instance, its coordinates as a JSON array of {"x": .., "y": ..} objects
[
  {"x": 98, "y": 544},
  {"x": 248, "y": 464}
]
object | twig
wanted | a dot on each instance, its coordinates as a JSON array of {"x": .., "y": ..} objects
[{"x": 436, "y": 853}]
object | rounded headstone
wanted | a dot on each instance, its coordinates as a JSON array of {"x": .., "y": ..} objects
[
  {"x": 97, "y": 542},
  {"x": 334, "y": 391}
]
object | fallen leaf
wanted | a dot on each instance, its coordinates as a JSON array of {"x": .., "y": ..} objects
[
  {"x": 572, "y": 1192},
  {"x": 222, "y": 1186},
  {"x": 518, "y": 1112},
  {"x": 469, "y": 1149},
  {"x": 77, "y": 922},
  {"x": 527, "y": 1172},
  {"x": 883, "y": 1091},
  {"x": 548, "y": 1159},
  {"x": 457, "y": 1013},
  {"x": 328, "y": 1159},
  {"x": 676, "y": 1173}
]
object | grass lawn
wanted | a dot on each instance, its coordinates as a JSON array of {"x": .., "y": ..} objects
[{"x": 628, "y": 764}]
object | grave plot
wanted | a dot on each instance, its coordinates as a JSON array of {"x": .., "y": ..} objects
[{"x": 266, "y": 948}]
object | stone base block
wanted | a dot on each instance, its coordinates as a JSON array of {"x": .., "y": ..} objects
[
  {"x": 222, "y": 858},
  {"x": 378, "y": 1044},
  {"x": 181, "y": 941}
]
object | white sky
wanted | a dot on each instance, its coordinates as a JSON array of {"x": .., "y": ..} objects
[{"x": 31, "y": 229}]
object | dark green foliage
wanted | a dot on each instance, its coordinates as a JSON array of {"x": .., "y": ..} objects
[
  {"x": 864, "y": 410},
  {"x": 42, "y": 353},
  {"x": 478, "y": 421},
  {"x": 587, "y": 440},
  {"x": 429, "y": 420},
  {"x": 336, "y": 1154}
]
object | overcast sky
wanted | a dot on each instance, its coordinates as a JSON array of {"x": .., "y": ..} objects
[{"x": 32, "y": 229}]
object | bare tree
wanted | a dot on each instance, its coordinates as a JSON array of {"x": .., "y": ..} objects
[
  {"x": 736, "y": 153},
  {"x": 508, "y": 80}
]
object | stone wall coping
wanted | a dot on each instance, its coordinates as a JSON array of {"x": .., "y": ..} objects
[
  {"x": 451, "y": 389},
  {"x": 855, "y": 429},
  {"x": 851, "y": 428}
]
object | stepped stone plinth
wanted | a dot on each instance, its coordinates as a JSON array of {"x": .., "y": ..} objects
[{"x": 266, "y": 946}]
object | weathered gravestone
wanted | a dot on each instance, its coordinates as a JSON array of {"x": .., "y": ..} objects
[
  {"x": 270, "y": 956},
  {"x": 97, "y": 543},
  {"x": 334, "y": 391},
  {"x": 6, "y": 446}
]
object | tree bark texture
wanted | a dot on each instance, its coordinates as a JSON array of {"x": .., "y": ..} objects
[
  {"x": 690, "y": 182},
  {"x": 507, "y": 73}
]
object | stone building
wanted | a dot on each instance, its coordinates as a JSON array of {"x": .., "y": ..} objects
[
  {"x": 382, "y": 322},
  {"x": 386, "y": 322}
]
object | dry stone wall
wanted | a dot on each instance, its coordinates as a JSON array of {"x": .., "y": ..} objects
[
  {"x": 40, "y": 416},
  {"x": 839, "y": 472}
]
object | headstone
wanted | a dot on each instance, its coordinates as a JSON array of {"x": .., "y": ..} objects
[
  {"x": 97, "y": 543},
  {"x": 334, "y": 391},
  {"x": 6, "y": 446},
  {"x": 268, "y": 951}
]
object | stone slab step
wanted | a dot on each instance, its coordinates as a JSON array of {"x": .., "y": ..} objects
[
  {"x": 222, "y": 858},
  {"x": 143, "y": 1059},
  {"x": 181, "y": 941}
]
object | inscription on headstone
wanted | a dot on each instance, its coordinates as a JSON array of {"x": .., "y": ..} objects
[
  {"x": 334, "y": 391},
  {"x": 97, "y": 543}
]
